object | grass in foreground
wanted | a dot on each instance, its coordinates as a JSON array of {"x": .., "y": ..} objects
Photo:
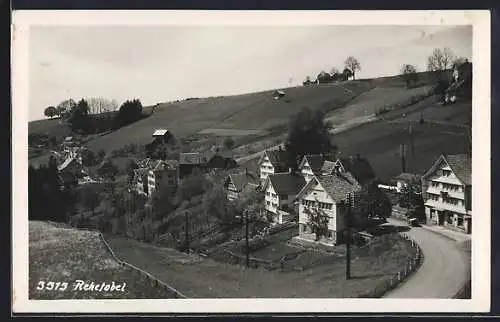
[
  {"x": 61, "y": 254},
  {"x": 204, "y": 278}
]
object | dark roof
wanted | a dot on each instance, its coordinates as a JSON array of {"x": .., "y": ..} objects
[
  {"x": 278, "y": 158},
  {"x": 338, "y": 186},
  {"x": 287, "y": 183},
  {"x": 190, "y": 158},
  {"x": 241, "y": 180},
  {"x": 359, "y": 167},
  {"x": 461, "y": 164},
  {"x": 327, "y": 167},
  {"x": 315, "y": 161},
  {"x": 209, "y": 155}
]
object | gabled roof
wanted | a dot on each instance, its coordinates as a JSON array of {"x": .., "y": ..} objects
[
  {"x": 315, "y": 161},
  {"x": 209, "y": 155},
  {"x": 460, "y": 164},
  {"x": 278, "y": 158},
  {"x": 337, "y": 186},
  {"x": 241, "y": 180},
  {"x": 171, "y": 164},
  {"x": 66, "y": 163},
  {"x": 286, "y": 183},
  {"x": 190, "y": 158},
  {"x": 327, "y": 167},
  {"x": 359, "y": 167},
  {"x": 160, "y": 132}
]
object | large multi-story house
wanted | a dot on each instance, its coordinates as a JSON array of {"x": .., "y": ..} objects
[
  {"x": 447, "y": 188},
  {"x": 236, "y": 183},
  {"x": 272, "y": 161},
  {"x": 280, "y": 192},
  {"x": 152, "y": 173},
  {"x": 325, "y": 197}
]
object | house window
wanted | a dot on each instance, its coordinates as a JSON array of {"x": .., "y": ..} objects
[
  {"x": 460, "y": 221},
  {"x": 304, "y": 229},
  {"x": 268, "y": 203},
  {"x": 446, "y": 173},
  {"x": 330, "y": 234}
]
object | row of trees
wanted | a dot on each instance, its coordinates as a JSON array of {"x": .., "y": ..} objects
[
  {"x": 95, "y": 114},
  {"x": 351, "y": 66},
  {"x": 440, "y": 60}
]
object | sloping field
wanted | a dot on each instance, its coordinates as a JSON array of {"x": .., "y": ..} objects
[
  {"x": 367, "y": 104},
  {"x": 256, "y": 111},
  {"x": 210, "y": 279},
  {"x": 61, "y": 254}
]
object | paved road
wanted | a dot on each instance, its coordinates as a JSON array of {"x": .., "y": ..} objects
[{"x": 443, "y": 271}]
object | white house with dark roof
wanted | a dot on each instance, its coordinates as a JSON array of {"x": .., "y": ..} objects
[
  {"x": 447, "y": 192},
  {"x": 312, "y": 165},
  {"x": 326, "y": 194},
  {"x": 280, "y": 191},
  {"x": 272, "y": 161},
  {"x": 236, "y": 183}
]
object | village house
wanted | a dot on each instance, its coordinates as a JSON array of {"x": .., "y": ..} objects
[
  {"x": 188, "y": 162},
  {"x": 236, "y": 183},
  {"x": 280, "y": 191},
  {"x": 152, "y": 173},
  {"x": 326, "y": 195},
  {"x": 272, "y": 161},
  {"x": 447, "y": 188},
  {"x": 162, "y": 136},
  {"x": 278, "y": 94},
  {"x": 217, "y": 159},
  {"x": 311, "y": 165},
  {"x": 71, "y": 170},
  {"x": 140, "y": 181},
  {"x": 359, "y": 167}
]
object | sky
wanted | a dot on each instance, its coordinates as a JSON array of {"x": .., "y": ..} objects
[{"x": 164, "y": 63}]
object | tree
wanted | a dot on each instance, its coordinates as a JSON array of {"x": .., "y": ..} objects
[
  {"x": 410, "y": 197},
  {"x": 79, "y": 117},
  {"x": 318, "y": 221},
  {"x": 215, "y": 204},
  {"x": 353, "y": 65},
  {"x": 371, "y": 202},
  {"x": 101, "y": 154},
  {"x": 409, "y": 74},
  {"x": 50, "y": 111},
  {"x": 88, "y": 158},
  {"x": 441, "y": 59},
  {"x": 228, "y": 143},
  {"x": 162, "y": 202},
  {"x": 130, "y": 111},
  {"x": 108, "y": 170},
  {"x": 91, "y": 199},
  {"x": 65, "y": 106},
  {"x": 308, "y": 134},
  {"x": 131, "y": 166},
  {"x": 99, "y": 105}
]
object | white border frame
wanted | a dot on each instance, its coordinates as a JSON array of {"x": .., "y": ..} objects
[{"x": 479, "y": 19}]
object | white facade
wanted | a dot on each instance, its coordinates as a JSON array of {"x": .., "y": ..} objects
[
  {"x": 316, "y": 198},
  {"x": 445, "y": 201},
  {"x": 266, "y": 168},
  {"x": 306, "y": 171},
  {"x": 277, "y": 206}
]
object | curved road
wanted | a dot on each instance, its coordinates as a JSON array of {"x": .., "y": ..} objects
[{"x": 443, "y": 271}]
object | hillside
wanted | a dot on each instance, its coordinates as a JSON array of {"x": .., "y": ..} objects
[
  {"x": 63, "y": 254},
  {"x": 253, "y": 113}
]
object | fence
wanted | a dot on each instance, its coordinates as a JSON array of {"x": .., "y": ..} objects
[
  {"x": 145, "y": 275},
  {"x": 406, "y": 271}
]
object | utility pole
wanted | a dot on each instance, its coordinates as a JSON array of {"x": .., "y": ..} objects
[
  {"x": 247, "y": 248},
  {"x": 348, "y": 239},
  {"x": 410, "y": 131},
  {"x": 402, "y": 152},
  {"x": 187, "y": 231}
]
